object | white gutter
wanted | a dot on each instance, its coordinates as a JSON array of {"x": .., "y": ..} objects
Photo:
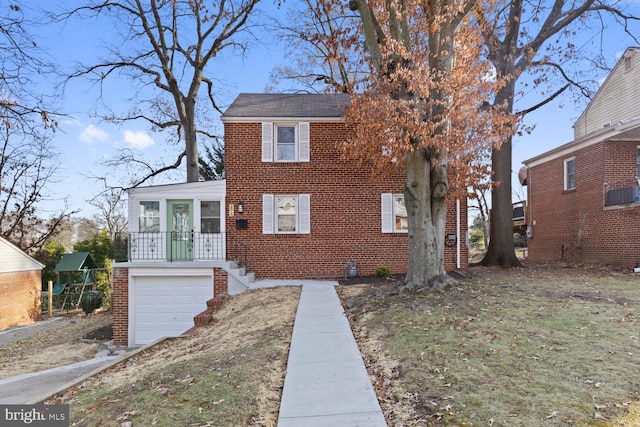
[{"x": 288, "y": 119}]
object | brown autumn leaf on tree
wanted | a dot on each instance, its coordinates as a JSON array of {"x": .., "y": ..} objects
[{"x": 425, "y": 110}]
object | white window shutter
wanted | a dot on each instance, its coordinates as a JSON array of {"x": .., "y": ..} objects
[
  {"x": 303, "y": 142},
  {"x": 304, "y": 213},
  {"x": 267, "y": 214},
  {"x": 267, "y": 142},
  {"x": 387, "y": 213}
]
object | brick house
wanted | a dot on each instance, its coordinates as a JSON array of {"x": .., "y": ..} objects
[
  {"x": 290, "y": 208},
  {"x": 300, "y": 211},
  {"x": 584, "y": 196},
  {"x": 20, "y": 286}
]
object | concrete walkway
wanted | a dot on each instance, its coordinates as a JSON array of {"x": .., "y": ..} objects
[
  {"x": 326, "y": 382},
  {"x": 38, "y": 386}
]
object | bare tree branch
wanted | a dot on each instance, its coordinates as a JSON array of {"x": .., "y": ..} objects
[{"x": 170, "y": 45}]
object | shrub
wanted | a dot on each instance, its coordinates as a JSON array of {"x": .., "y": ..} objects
[
  {"x": 520, "y": 240},
  {"x": 383, "y": 272}
]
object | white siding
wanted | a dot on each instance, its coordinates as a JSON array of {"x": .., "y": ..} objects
[
  {"x": 12, "y": 259},
  {"x": 616, "y": 100}
]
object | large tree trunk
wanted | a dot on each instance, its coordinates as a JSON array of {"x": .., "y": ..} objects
[
  {"x": 425, "y": 190},
  {"x": 193, "y": 174},
  {"x": 191, "y": 140},
  {"x": 501, "y": 249}
]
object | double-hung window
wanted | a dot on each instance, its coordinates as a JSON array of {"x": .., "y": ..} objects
[
  {"x": 394, "y": 213},
  {"x": 285, "y": 142},
  {"x": 286, "y": 214},
  {"x": 570, "y": 173},
  {"x": 210, "y": 216},
  {"x": 149, "y": 216}
]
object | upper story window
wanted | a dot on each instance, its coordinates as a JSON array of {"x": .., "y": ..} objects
[
  {"x": 394, "y": 214},
  {"x": 210, "y": 216},
  {"x": 286, "y": 214},
  {"x": 285, "y": 142},
  {"x": 637, "y": 161},
  {"x": 149, "y": 217},
  {"x": 570, "y": 173}
]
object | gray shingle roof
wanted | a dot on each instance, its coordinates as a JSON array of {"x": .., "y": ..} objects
[{"x": 266, "y": 105}]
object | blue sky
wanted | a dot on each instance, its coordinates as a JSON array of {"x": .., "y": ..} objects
[{"x": 85, "y": 142}]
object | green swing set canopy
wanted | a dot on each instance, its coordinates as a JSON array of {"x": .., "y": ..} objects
[{"x": 76, "y": 262}]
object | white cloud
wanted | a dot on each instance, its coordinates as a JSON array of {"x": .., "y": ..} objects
[
  {"x": 139, "y": 140},
  {"x": 92, "y": 134}
]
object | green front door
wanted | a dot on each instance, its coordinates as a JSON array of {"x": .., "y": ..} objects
[{"x": 180, "y": 225}]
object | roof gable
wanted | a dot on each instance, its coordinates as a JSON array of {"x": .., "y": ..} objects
[
  {"x": 13, "y": 259},
  {"x": 280, "y": 106},
  {"x": 612, "y": 115},
  {"x": 616, "y": 101}
]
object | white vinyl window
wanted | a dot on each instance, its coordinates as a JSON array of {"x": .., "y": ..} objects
[
  {"x": 210, "y": 216},
  {"x": 570, "y": 173},
  {"x": 285, "y": 142},
  {"x": 286, "y": 214},
  {"x": 394, "y": 213},
  {"x": 149, "y": 216}
]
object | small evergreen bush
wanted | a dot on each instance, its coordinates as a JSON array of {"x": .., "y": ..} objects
[{"x": 383, "y": 272}]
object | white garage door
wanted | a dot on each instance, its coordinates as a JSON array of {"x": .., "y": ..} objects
[{"x": 165, "y": 306}]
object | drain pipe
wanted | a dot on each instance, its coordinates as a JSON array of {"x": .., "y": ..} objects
[{"x": 458, "y": 233}]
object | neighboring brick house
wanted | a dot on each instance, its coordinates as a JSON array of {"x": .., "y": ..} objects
[
  {"x": 584, "y": 196},
  {"x": 20, "y": 286},
  {"x": 296, "y": 209}
]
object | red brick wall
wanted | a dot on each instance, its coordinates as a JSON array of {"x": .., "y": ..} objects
[
  {"x": 345, "y": 209},
  {"x": 220, "y": 282},
  {"x": 120, "y": 305},
  {"x": 575, "y": 225},
  {"x": 20, "y": 302}
]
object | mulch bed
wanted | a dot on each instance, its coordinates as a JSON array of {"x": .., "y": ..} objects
[{"x": 101, "y": 334}]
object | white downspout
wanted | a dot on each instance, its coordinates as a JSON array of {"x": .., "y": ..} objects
[{"x": 458, "y": 233}]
